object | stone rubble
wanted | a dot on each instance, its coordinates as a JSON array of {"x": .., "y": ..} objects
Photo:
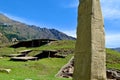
[{"x": 67, "y": 72}]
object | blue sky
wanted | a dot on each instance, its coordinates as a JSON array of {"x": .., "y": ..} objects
[{"x": 62, "y": 15}]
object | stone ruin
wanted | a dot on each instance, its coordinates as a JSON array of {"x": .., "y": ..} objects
[
  {"x": 32, "y": 43},
  {"x": 67, "y": 71}
]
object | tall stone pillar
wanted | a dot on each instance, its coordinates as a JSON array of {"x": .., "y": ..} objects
[{"x": 90, "y": 56}]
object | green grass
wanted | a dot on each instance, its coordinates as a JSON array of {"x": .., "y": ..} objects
[
  {"x": 57, "y": 45},
  {"x": 45, "y": 69},
  {"x": 65, "y": 44},
  {"x": 113, "y": 59}
]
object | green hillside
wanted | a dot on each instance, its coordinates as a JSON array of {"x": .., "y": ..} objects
[
  {"x": 113, "y": 59},
  {"x": 45, "y": 69},
  {"x": 21, "y": 31}
]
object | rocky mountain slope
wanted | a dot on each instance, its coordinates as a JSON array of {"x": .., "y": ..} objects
[{"x": 14, "y": 29}]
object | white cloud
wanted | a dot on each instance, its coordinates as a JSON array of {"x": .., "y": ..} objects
[
  {"x": 111, "y": 13},
  {"x": 111, "y": 9},
  {"x": 73, "y": 4},
  {"x": 113, "y": 40},
  {"x": 71, "y": 33}
]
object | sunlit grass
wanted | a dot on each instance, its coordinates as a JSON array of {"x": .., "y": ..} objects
[
  {"x": 113, "y": 59},
  {"x": 43, "y": 69}
]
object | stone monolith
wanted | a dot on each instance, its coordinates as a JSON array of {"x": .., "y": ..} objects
[{"x": 90, "y": 56}]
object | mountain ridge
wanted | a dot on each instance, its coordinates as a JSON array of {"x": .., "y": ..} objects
[
  {"x": 21, "y": 31},
  {"x": 116, "y": 49}
]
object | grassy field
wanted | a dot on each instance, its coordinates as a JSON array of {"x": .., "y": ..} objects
[
  {"x": 113, "y": 59},
  {"x": 45, "y": 69}
]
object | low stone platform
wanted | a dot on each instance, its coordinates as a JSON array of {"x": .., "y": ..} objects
[
  {"x": 13, "y": 55},
  {"x": 1, "y": 57},
  {"x": 23, "y": 58},
  {"x": 22, "y": 53},
  {"x": 49, "y": 54},
  {"x": 25, "y": 51}
]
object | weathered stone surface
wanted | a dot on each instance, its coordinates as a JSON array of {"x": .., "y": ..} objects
[
  {"x": 23, "y": 58},
  {"x": 90, "y": 46}
]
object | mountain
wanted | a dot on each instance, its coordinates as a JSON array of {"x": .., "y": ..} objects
[
  {"x": 21, "y": 31},
  {"x": 116, "y": 49}
]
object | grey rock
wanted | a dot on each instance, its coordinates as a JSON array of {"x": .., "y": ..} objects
[
  {"x": 5, "y": 70},
  {"x": 67, "y": 71}
]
